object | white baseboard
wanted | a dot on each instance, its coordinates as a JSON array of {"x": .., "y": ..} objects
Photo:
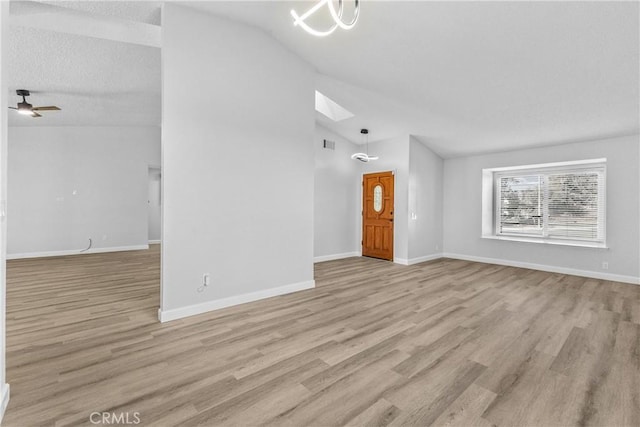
[
  {"x": 549, "y": 268},
  {"x": 77, "y": 252},
  {"x": 192, "y": 310},
  {"x": 335, "y": 256},
  {"x": 418, "y": 260},
  {"x": 155, "y": 242},
  {"x": 4, "y": 399}
]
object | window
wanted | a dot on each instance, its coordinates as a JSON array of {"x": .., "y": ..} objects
[{"x": 552, "y": 203}]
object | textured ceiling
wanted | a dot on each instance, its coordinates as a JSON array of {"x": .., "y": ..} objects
[
  {"x": 96, "y": 82},
  {"x": 139, "y": 11},
  {"x": 472, "y": 76},
  {"x": 145, "y": 11}
]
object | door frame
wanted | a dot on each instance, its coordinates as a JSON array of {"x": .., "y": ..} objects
[
  {"x": 361, "y": 208},
  {"x": 150, "y": 168}
]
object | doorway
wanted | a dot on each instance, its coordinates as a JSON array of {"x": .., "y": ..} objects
[
  {"x": 377, "y": 215},
  {"x": 154, "y": 204}
]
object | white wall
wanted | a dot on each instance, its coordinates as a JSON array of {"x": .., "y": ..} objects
[
  {"x": 69, "y": 184},
  {"x": 425, "y": 203},
  {"x": 238, "y": 164},
  {"x": 394, "y": 156},
  {"x": 337, "y": 202},
  {"x": 462, "y": 209},
  {"x": 4, "y": 30}
]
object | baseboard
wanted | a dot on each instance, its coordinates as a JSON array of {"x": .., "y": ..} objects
[
  {"x": 192, "y": 310},
  {"x": 4, "y": 399},
  {"x": 418, "y": 260},
  {"x": 550, "y": 268},
  {"x": 155, "y": 242},
  {"x": 324, "y": 258},
  {"x": 77, "y": 252}
]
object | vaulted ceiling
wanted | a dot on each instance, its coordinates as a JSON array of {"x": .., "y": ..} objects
[{"x": 463, "y": 77}]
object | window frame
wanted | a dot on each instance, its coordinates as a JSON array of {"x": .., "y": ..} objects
[{"x": 598, "y": 166}]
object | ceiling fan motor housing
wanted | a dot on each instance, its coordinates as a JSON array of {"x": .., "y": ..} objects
[{"x": 24, "y": 106}]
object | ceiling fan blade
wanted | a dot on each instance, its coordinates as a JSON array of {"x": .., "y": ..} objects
[
  {"x": 36, "y": 114},
  {"x": 13, "y": 108},
  {"x": 47, "y": 108}
]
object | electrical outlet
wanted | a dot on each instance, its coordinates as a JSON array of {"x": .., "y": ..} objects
[
  {"x": 605, "y": 265},
  {"x": 104, "y": 237},
  {"x": 437, "y": 247}
]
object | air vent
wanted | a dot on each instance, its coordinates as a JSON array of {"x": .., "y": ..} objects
[{"x": 329, "y": 145}]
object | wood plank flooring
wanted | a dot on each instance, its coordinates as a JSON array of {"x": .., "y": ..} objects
[{"x": 447, "y": 342}]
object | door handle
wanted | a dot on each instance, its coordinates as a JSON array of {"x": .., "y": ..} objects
[{"x": 391, "y": 220}]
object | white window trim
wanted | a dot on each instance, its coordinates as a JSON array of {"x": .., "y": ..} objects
[{"x": 491, "y": 207}]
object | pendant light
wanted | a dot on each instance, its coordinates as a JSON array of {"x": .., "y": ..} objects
[{"x": 364, "y": 157}]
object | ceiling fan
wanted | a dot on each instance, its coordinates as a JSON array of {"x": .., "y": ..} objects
[{"x": 29, "y": 110}]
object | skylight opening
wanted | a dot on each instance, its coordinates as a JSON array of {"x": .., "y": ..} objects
[{"x": 331, "y": 109}]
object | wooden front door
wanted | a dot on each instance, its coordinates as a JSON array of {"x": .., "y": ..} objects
[{"x": 377, "y": 215}]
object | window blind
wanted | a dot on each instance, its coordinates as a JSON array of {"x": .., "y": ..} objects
[{"x": 557, "y": 203}]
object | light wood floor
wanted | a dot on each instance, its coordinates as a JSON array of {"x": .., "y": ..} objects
[{"x": 444, "y": 343}]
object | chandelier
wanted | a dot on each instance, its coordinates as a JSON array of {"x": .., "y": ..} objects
[
  {"x": 364, "y": 157},
  {"x": 336, "y": 15}
]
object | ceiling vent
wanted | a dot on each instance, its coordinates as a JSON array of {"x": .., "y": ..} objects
[{"x": 329, "y": 145}]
